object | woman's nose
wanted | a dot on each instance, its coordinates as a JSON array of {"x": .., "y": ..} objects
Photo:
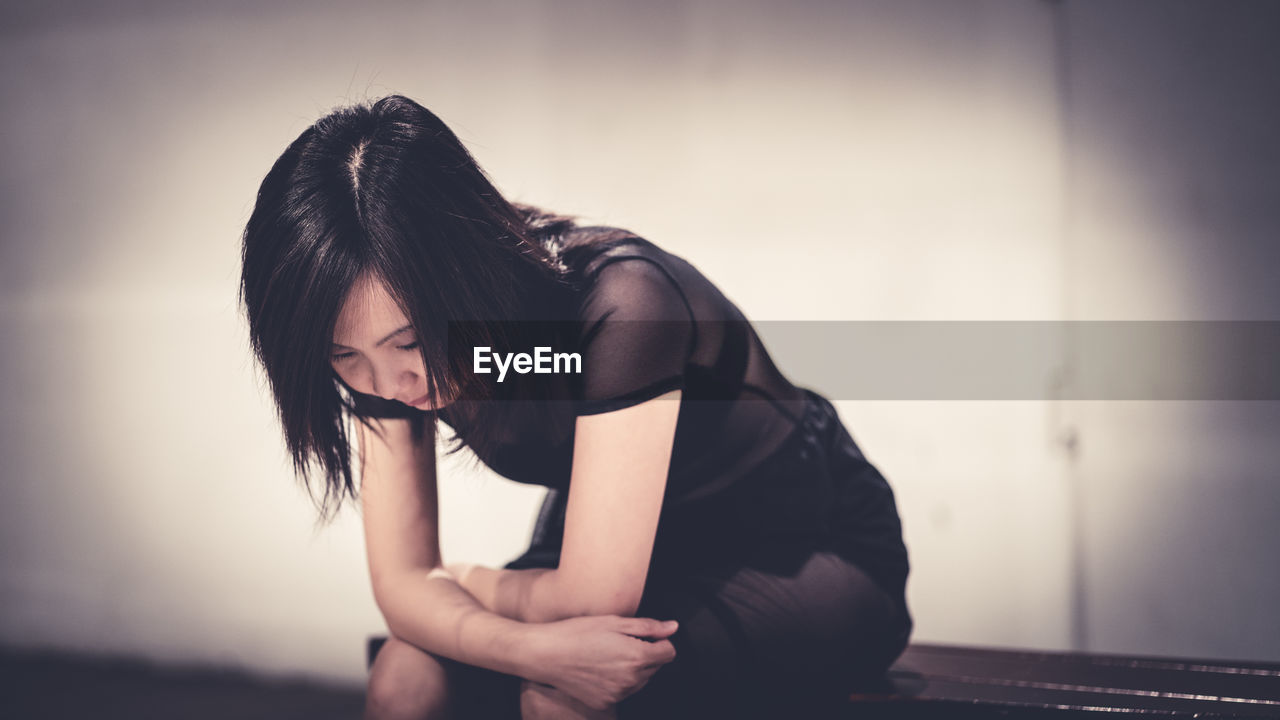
[{"x": 390, "y": 382}]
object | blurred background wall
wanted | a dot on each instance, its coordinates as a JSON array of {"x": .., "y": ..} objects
[{"x": 873, "y": 160}]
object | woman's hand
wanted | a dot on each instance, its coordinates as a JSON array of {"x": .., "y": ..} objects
[{"x": 601, "y": 659}]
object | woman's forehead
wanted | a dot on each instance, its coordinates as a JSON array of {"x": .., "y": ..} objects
[{"x": 369, "y": 313}]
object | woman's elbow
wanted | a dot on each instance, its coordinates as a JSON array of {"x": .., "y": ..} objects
[
  {"x": 388, "y": 596},
  {"x": 382, "y": 599}
]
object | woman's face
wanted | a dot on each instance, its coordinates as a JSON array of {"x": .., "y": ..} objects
[{"x": 375, "y": 348}]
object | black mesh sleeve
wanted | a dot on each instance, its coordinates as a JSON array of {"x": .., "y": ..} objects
[{"x": 638, "y": 336}]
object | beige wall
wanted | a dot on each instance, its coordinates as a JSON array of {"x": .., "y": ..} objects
[
  {"x": 871, "y": 160},
  {"x": 1172, "y": 216}
]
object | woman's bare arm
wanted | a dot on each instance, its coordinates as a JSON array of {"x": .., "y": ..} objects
[
  {"x": 597, "y": 659},
  {"x": 421, "y": 602},
  {"x": 620, "y": 465}
]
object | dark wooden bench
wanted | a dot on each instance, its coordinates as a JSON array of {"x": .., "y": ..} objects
[
  {"x": 944, "y": 681},
  {"x": 940, "y": 681}
]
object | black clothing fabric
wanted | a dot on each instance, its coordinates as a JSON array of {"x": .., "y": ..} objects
[
  {"x": 788, "y": 588},
  {"x": 752, "y": 644},
  {"x": 779, "y": 546},
  {"x": 815, "y": 492}
]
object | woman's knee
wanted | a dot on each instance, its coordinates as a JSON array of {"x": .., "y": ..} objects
[{"x": 406, "y": 683}]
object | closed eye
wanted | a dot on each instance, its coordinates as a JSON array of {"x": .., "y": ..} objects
[{"x": 344, "y": 355}]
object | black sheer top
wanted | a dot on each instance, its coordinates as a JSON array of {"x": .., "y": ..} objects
[{"x": 645, "y": 322}]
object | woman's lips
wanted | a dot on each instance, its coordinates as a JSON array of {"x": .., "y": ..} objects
[{"x": 421, "y": 403}]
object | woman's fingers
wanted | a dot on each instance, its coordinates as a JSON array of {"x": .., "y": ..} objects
[
  {"x": 648, "y": 627},
  {"x": 659, "y": 653},
  {"x": 658, "y": 650}
]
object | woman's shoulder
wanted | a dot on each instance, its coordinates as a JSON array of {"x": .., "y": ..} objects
[
  {"x": 626, "y": 274},
  {"x": 590, "y": 245},
  {"x": 615, "y": 269},
  {"x": 590, "y": 250}
]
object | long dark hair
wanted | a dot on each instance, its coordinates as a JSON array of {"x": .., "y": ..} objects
[{"x": 387, "y": 189}]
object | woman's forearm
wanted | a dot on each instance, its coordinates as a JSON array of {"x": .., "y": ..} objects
[
  {"x": 531, "y": 596},
  {"x": 515, "y": 594},
  {"x": 431, "y": 610}
]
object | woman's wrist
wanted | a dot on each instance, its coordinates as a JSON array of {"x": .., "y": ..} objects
[
  {"x": 534, "y": 651},
  {"x": 530, "y": 644}
]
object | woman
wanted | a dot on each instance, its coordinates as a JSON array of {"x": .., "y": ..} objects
[{"x": 713, "y": 541}]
